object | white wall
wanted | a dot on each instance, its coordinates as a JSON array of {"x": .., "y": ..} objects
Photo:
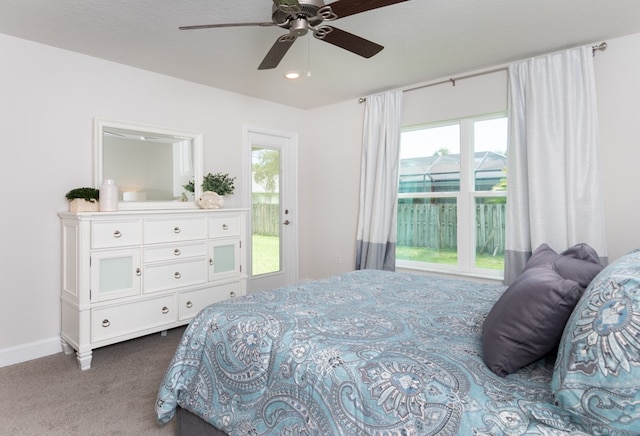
[
  {"x": 480, "y": 94},
  {"x": 329, "y": 189},
  {"x": 48, "y": 100},
  {"x": 617, "y": 75}
]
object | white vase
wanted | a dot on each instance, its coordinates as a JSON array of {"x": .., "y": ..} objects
[{"x": 108, "y": 196}]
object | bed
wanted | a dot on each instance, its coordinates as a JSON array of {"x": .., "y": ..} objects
[{"x": 371, "y": 353}]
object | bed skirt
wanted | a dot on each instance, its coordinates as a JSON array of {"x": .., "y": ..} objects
[{"x": 192, "y": 425}]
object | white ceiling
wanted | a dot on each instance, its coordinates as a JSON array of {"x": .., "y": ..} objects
[{"x": 423, "y": 39}]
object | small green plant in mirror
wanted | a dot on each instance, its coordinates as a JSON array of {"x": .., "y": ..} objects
[
  {"x": 190, "y": 187},
  {"x": 220, "y": 183},
  {"x": 89, "y": 194}
]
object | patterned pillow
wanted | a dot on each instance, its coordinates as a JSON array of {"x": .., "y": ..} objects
[{"x": 597, "y": 372}]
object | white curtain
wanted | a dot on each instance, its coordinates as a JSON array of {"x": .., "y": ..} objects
[
  {"x": 554, "y": 188},
  {"x": 377, "y": 232}
]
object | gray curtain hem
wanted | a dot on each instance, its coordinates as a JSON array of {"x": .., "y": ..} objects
[{"x": 370, "y": 255}]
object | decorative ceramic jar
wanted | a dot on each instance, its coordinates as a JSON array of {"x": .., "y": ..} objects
[
  {"x": 108, "y": 196},
  {"x": 210, "y": 200}
]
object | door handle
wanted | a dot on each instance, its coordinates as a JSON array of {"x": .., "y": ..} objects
[{"x": 286, "y": 222}]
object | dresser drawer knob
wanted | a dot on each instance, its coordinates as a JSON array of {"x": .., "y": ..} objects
[
  {"x": 106, "y": 323},
  {"x": 117, "y": 234},
  {"x": 176, "y": 230},
  {"x": 176, "y": 252},
  {"x": 177, "y": 275},
  {"x": 232, "y": 294},
  {"x": 225, "y": 227},
  {"x": 189, "y": 304},
  {"x": 165, "y": 310}
]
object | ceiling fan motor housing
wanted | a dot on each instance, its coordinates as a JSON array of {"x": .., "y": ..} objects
[{"x": 307, "y": 12}]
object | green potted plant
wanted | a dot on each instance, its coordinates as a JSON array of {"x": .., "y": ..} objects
[
  {"x": 190, "y": 189},
  {"x": 220, "y": 183},
  {"x": 83, "y": 199}
]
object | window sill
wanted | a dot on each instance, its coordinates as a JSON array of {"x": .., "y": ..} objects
[{"x": 475, "y": 275}]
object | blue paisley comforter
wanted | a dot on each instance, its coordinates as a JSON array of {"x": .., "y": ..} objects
[{"x": 365, "y": 353}]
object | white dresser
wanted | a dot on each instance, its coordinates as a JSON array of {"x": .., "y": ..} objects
[{"x": 130, "y": 273}]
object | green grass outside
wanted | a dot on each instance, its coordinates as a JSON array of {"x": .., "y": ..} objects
[
  {"x": 265, "y": 254},
  {"x": 448, "y": 257}
]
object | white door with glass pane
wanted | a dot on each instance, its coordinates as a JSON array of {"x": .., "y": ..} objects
[{"x": 273, "y": 247}]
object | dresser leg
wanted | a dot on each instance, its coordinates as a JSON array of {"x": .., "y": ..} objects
[
  {"x": 84, "y": 359},
  {"x": 66, "y": 348}
]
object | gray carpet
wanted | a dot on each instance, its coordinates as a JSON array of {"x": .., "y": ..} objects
[{"x": 52, "y": 396}]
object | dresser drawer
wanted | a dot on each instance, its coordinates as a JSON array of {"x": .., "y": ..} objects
[
  {"x": 192, "y": 302},
  {"x": 174, "y": 229},
  {"x": 174, "y": 251},
  {"x": 110, "y": 322},
  {"x": 107, "y": 234},
  {"x": 226, "y": 225},
  {"x": 161, "y": 276}
]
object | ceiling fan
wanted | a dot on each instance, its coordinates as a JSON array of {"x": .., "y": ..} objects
[{"x": 302, "y": 16}]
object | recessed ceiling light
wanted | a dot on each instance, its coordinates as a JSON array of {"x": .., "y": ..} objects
[{"x": 292, "y": 75}]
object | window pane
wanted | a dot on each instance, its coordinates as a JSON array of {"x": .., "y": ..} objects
[
  {"x": 427, "y": 230},
  {"x": 490, "y": 232},
  {"x": 490, "y": 149},
  {"x": 265, "y": 211},
  {"x": 430, "y": 159}
]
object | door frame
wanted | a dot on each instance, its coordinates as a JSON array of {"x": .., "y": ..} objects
[{"x": 287, "y": 143}]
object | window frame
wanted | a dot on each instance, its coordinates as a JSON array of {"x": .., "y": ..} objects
[{"x": 466, "y": 198}]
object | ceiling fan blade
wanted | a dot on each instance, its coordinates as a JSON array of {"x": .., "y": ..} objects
[
  {"x": 213, "y": 26},
  {"x": 347, "y": 41},
  {"x": 277, "y": 52},
  {"x": 344, "y": 8}
]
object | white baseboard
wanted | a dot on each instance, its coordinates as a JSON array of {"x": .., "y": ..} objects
[{"x": 30, "y": 351}]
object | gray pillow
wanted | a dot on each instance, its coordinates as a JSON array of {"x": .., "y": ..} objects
[
  {"x": 528, "y": 320},
  {"x": 579, "y": 263}
]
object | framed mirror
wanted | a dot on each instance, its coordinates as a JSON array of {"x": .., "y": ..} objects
[{"x": 150, "y": 164}]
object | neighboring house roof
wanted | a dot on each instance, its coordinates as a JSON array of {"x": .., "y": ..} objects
[{"x": 487, "y": 165}]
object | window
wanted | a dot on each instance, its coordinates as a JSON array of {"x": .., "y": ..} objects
[{"x": 452, "y": 196}]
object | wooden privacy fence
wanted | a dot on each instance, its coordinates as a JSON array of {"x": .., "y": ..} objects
[
  {"x": 434, "y": 226},
  {"x": 419, "y": 225},
  {"x": 265, "y": 218}
]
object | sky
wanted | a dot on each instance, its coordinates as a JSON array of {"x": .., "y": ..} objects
[{"x": 490, "y": 135}]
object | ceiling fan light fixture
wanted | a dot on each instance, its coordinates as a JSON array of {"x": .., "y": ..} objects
[{"x": 292, "y": 75}]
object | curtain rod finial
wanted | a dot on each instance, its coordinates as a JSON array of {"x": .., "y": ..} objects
[{"x": 602, "y": 46}]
